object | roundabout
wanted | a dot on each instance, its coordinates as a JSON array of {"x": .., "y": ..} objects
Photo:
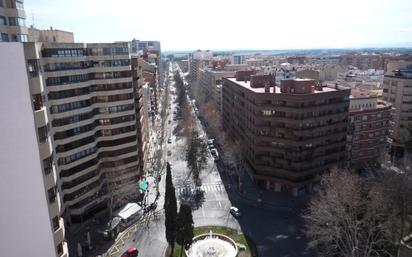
[
  {"x": 217, "y": 241},
  {"x": 212, "y": 245}
]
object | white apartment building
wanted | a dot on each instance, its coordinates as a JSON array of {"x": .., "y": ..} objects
[{"x": 31, "y": 222}]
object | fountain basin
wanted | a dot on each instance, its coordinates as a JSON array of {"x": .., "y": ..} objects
[{"x": 212, "y": 245}]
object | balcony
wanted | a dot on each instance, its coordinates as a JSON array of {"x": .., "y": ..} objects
[{"x": 80, "y": 210}]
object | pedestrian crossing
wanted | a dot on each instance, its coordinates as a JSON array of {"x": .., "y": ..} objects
[{"x": 209, "y": 187}]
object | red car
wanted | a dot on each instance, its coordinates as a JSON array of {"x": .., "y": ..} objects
[{"x": 131, "y": 252}]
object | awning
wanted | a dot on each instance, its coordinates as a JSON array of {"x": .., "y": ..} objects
[{"x": 129, "y": 210}]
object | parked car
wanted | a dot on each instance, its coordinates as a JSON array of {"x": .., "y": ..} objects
[
  {"x": 131, "y": 252},
  {"x": 169, "y": 141},
  {"x": 210, "y": 143},
  {"x": 235, "y": 212},
  {"x": 214, "y": 153}
]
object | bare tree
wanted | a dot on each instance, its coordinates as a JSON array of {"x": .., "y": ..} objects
[
  {"x": 398, "y": 195},
  {"x": 348, "y": 218},
  {"x": 119, "y": 193}
]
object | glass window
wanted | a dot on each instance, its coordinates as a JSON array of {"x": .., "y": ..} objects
[
  {"x": 43, "y": 133},
  {"x": 1, "y": 3},
  {"x": 59, "y": 249},
  {"x": 56, "y": 224},
  {"x": 16, "y": 21},
  {"x": 3, "y": 20},
  {"x": 20, "y": 38},
  {"x": 52, "y": 195},
  {"x": 4, "y": 37},
  {"x": 19, "y": 5},
  {"x": 48, "y": 165}
]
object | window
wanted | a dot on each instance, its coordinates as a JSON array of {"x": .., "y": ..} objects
[
  {"x": 59, "y": 249},
  {"x": 10, "y": 4},
  {"x": 56, "y": 224},
  {"x": 20, "y": 38},
  {"x": 19, "y": 5},
  {"x": 3, "y": 20},
  {"x": 1, "y": 3},
  {"x": 37, "y": 101},
  {"x": 51, "y": 193},
  {"x": 43, "y": 133},
  {"x": 33, "y": 67},
  {"x": 16, "y": 21},
  {"x": 4, "y": 37},
  {"x": 364, "y": 117},
  {"x": 48, "y": 165}
]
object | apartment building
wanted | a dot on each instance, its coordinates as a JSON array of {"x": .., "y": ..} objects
[
  {"x": 290, "y": 133},
  {"x": 198, "y": 60},
  {"x": 210, "y": 85},
  {"x": 148, "y": 73},
  {"x": 32, "y": 213},
  {"x": 369, "y": 128},
  {"x": 397, "y": 90},
  {"x": 151, "y": 52},
  {"x": 362, "y": 61},
  {"x": 87, "y": 92},
  {"x": 13, "y": 21},
  {"x": 142, "y": 112}
]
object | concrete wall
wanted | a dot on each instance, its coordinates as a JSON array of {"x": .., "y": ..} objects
[{"x": 24, "y": 220}]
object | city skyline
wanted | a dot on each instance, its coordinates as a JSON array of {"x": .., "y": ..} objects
[{"x": 231, "y": 25}]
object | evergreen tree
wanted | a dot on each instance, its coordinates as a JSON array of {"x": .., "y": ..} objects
[
  {"x": 170, "y": 207},
  {"x": 185, "y": 227}
]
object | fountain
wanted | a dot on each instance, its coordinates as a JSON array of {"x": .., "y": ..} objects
[{"x": 212, "y": 245}]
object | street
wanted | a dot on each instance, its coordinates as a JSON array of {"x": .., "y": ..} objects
[{"x": 275, "y": 228}]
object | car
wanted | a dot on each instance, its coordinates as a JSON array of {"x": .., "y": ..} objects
[
  {"x": 210, "y": 143},
  {"x": 169, "y": 153},
  {"x": 169, "y": 141},
  {"x": 235, "y": 212},
  {"x": 131, "y": 252},
  {"x": 214, "y": 153},
  {"x": 170, "y": 121}
]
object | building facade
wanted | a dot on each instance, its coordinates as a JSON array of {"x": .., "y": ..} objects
[
  {"x": 290, "y": 133},
  {"x": 50, "y": 35},
  {"x": 13, "y": 21},
  {"x": 397, "y": 90},
  {"x": 29, "y": 186},
  {"x": 210, "y": 85},
  {"x": 369, "y": 129},
  {"x": 87, "y": 93}
]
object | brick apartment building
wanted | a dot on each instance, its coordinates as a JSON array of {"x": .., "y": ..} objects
[
  {"x": 369, "y": 128},
  {"x": 290, "y": 133}
]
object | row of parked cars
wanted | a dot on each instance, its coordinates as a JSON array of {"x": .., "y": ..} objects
[{"x": 212, "y": 149}]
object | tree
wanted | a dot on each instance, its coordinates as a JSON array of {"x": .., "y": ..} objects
[
  {"x": 349, "y": 218},
  {"x": 170, "y": 207},
  {"x": 196, "y": 155},
  {"x": 185, "y": 227},
  {"x": 397, "y": 187}
]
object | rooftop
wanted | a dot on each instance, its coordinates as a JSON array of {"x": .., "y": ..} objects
[{"x": 246, "y": 84}]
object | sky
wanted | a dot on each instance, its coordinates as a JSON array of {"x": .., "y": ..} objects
[{"x": 231, "y": 24}]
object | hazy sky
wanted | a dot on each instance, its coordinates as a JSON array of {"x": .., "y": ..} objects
[{"x": 230, "y": 24}]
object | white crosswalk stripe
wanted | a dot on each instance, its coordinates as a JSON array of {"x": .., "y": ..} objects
[{"x": 210, "y": 187}]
